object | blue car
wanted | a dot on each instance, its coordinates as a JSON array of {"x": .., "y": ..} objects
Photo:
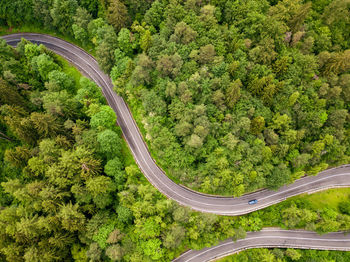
[{"x": 252, "y": 202}]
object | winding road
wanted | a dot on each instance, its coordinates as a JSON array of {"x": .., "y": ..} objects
[
  {"x": 270, "y": 237},
  {"x": 331, "y": 178}
]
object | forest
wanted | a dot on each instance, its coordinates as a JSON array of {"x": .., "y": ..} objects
[{"x": 231, "y": 96}]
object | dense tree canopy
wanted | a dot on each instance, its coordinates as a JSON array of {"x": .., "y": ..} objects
[
  {"x": 231, "y": 96},
  {"x": 67, "y": 190},
  {"x": 260, "y": 83}
]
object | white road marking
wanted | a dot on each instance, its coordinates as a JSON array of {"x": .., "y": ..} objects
[
  {"x": 270, "y": 237},
  {"x": 127, "y": 118}
]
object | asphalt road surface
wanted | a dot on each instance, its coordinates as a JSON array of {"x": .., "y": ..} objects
[
  {"x": 336, "y": 177},
  {"x": 331, "y": 178},
  {"x": 270, "y": 237}
]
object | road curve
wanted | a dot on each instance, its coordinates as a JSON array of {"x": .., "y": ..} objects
[
  {"x": 268, "y": 238},
  {"x": 336, "y": 177}
]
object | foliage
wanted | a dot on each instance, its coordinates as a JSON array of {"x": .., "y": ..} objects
[
  {"x": 65, "y": 190},
  {"x": 58, "y": 181},
  {"x": 260, "y": 83},
  {"x": 234, "y": 96}
]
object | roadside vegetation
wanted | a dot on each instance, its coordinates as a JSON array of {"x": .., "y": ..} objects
[
  {"x": 287, "y": 255},
  {"x": 70, "y": 189},
  {"x": 231, "y": 96}
]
